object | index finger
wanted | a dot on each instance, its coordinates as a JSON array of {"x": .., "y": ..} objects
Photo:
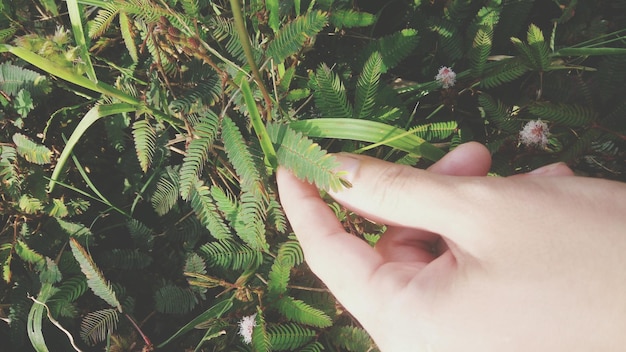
[{"x": 328, "y": 248}]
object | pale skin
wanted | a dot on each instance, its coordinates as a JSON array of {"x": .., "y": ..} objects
[{"x": 469, "y": 262}]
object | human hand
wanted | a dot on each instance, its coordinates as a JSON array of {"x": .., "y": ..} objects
[{"x": 534, "y": 262}]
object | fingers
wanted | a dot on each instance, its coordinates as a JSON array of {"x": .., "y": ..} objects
[
  {"x": 400, "y": 244},
  {"x": 556, "y": 169},
  {"x": 344, "y": 262},
  {"x": 469, "y": 159}
]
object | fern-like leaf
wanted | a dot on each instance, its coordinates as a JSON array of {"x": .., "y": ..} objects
[
  {"x": 105, "y": 16},
  {"x": 350, "y": 19},
  {"x": 393, "y": 48},
  {"x": 125, "y": 258},
  {"x": 69, "y": 291},
  {"x": 250, "y": 221},
  {"x": 230, "y": 255},
  {"x": 538, "y": 47},
  {"x": 204, "y": 207},
  {"x": 260, "y": 339},
  {"x": 31, "y": 151},
  {"x": 502, "y": 72},
  {"x": 142, "y": 235},
  {"x": 15, "y": 78},
  {"x": 449, "y": 38},
  {"x": 198, "y": 152},
  {"x": 145, "y": 142},
  {"x": 330, "y": 93},
  {"x": 95, "y": 280},
  {"x": 498, "y": 113},
  {"x": 481, "y": 47},
  {"x": 289, "y": 337},
  {"x": 300, "y": 312},
  {"x": 96, "y": 326},
  {"x": 571, "y": 115},
  {"x": 290, "y": 38},
  {"x": 436, "y": 130},
  {"x": 172, "y": 299},
  {"x": 165, "y": 194},
  {"x": 352, "y": 338},
  {"x": 239, "y": 154},
  {"x": 367, "y": 86},
  {"x": 304, "y": 157}
]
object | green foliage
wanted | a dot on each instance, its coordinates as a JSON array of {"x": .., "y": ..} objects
[
  {"x": 289, "y": 337},
  {"x": 168, "y": 174},
  {"x": 171, "y": 299},
  {"x": 95, "y": 280},
  {"x": 97, "y": 325},
  {"x": 290, "y": 38}
]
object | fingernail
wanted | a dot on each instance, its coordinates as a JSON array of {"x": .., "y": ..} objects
[
  {"x": 349, "y": 166},
  {"x": 548, "y": 169}
]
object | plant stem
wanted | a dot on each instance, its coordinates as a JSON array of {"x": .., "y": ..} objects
[{"x": 247, "y": 49}]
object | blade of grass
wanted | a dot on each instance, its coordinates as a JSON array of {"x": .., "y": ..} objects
[
  {"x": 72, "y": 77},
  {"x": 89, "y": 119},
  {"x": 79, "y": 36},
  {"x": 368, "y": 131},
  {"x": 257, "y": 124}
]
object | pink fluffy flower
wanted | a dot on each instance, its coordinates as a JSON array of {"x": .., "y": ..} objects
[
  {"x": 535, "y": 133},
  {"x": 446, "y": 77},
  {"x": 246, "y": 326}
]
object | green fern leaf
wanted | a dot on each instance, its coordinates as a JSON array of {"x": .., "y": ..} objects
[
  {"x": 30, "y": 205},
  {"x": 350, "y": 19},
  {"x": 481, "y": 48},
  {"x": 393, "y": 48},
  {"x": 96, "y": 326},
  {"x": 202, "y": 95},
  {"x": 191, "y": 8},
  {"x": 223, "y": 29},
  {"x": 306, "y": 159},
  {"x": 260, "y": 338},
  {"x": 29, "y": 255},
  {"x": 101, "y": 23},
  {"x": 204, "y": 207},
  {"x": 498, "y": 113},
  {"x": 69, "y": 291},
  {"x": 124, "y": 258},
  {"x": 449, "y": 38},
  {"x": 367, "y": 86},
  {"x": 290, "y": 39},
  {"x": 145, "y": 142},
  {"x": 458, "y": 11},
  {"x": 31, "y": 151},
  {"x": 128, "y": 35},
  {"x": 165, "y": 195},
  {"x": 289, "y": 337},
  {"x": 538, "y": 47},
  {"x": 142, "y": 235},
  {"x": 250, "y": 221},
  {"x": 583, "y": 144},
  {"x": 352, "y": 338},
  {"x": 278, "y": 277},
  {"x": 226, "y": 203},
  {"x": 230, "y": 255},
  {"x": 198, "y": 152},
  {"x": 239, "y": 154},
  {"x": 312, "y": 347},
  {"x": 95, "y": 280},
  {"x": 571, "y": 115},
  {"x": 275, "y": 215},
  {"x": 15, "y": 78},
  {"x": 300, "y": 312},
  {"x": 436, "y": 130},
  {"x": 171, "y": 299},
  {"x": 502, "y": 72},
  {"x": 330, "y": 93}
]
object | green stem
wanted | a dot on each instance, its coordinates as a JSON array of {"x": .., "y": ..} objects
[
  {"x": 258, "y": 126},
  {"x": 247, "y": 49}
]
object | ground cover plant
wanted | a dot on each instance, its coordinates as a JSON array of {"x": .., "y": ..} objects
[{"x": 139, "y": 140}]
